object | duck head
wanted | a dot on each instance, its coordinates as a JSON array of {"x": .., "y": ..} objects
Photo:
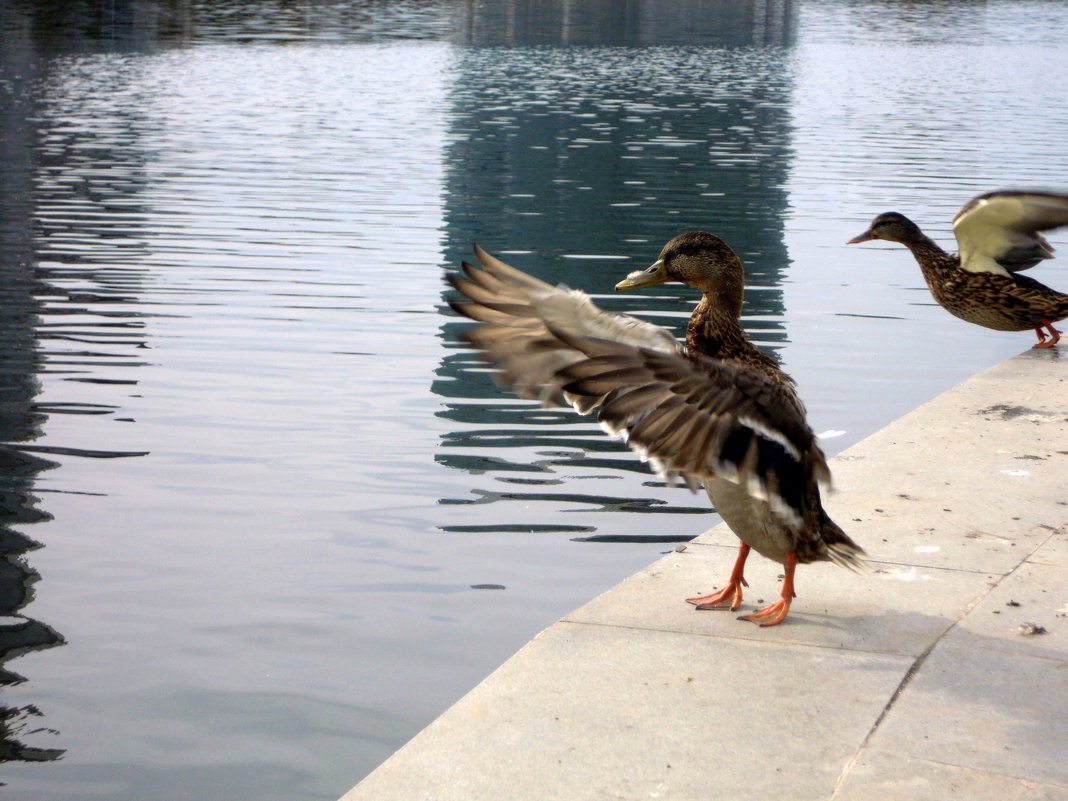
[
  {"x": 698, "y": 259},
  {"x": 892, "y": 227}
]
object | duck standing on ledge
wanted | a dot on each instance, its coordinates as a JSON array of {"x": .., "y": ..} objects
[
  {"x": 998, "y": 236},
  {"x": 717, "y": 411}
]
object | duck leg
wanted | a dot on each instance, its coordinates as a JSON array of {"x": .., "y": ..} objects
[
  {"x": 733, "y": 590},
  {"x": 1054, "y": 335},
  {"x": 776, "y": 613}
]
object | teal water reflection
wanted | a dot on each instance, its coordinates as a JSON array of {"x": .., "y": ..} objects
[
  {"x": 602, "y": 131},
  {"x": 253, "y": 486}
]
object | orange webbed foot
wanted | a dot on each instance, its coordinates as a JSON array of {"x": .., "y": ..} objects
[
  {"x": 730, "y": 597},
  {"x": 770, "y": 615},
  {"x": 733, "y": 589},
  {"x": 1054, "y": 335},
  {"x": 774, "y": 614}
]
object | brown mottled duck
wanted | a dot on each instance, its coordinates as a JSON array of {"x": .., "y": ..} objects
[
  {"x": 716, "y": 411},
  {"x": 998, "y": 236}
]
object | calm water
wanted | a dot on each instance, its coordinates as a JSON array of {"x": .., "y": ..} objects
[{"x": 251, "y": 483}]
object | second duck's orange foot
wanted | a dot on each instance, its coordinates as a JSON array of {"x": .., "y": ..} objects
[
  {"x": 1054, "y": 335},
  {"x": 770, "y": 615},
  {"x": 730, "y": 597},
  {"x": 773, "y": 614},
  {"x": 733, "y": 590}
]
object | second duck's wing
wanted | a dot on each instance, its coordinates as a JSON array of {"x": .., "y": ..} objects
[
  {"x": 688, "y": 415},
  {"x": 998, "y": 232}
]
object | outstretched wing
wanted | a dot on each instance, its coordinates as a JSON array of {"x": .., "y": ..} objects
[
  {"x": 516, "y": 311},
  {"x": 998, "y": 232},
  {"x": 699, "y": 418},
  {"x": 689, "y": 415}
]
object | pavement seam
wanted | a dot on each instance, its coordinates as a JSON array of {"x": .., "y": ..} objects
[{"x": 914, "y": 668}]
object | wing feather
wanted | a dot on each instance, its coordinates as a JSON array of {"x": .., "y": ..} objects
[{"x": 998, "y": 232}]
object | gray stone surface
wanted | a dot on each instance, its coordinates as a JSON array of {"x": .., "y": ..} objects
[
  {"x": 984, "y": 708},
  {"x": 873, "y": 611},
  {"x": 940, "y": 672},
  {"x": 879, "y": 776},
  {"x": 595, "y": 712}
]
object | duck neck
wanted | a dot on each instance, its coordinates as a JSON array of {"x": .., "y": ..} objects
[
  {"x": 714, "y": 330},
  {"x": 929, "y": 255}
]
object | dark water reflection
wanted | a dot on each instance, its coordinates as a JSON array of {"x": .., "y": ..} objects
[
  {"x": 707, "y": 23},
  {"x": 251, "y": 482},
  {"x": 601, "y": 130}
]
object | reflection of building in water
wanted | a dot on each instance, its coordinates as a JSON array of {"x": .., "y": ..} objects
[
  {"x": 68, "y": 234},
  {"x": 634, "y": 23},
  {"x": 91, "y": 25},
  {"x": 613, "y": 151},
  {"x": 18, "y": 634},
  {"x": 20, "y": 420},
  {"x": 665, "y": 117}
]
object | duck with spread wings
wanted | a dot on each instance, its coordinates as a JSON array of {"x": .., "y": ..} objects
[
  {"x": 717, "y": 411},
  {"x": 998, "y": 234}
]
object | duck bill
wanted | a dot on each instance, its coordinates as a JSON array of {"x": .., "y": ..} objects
[
  {"x": 657, "y": 274},
  {"x": 867, "y": 236}
]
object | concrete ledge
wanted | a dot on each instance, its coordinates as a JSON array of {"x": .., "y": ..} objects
[{"x": 911, "y": 681}]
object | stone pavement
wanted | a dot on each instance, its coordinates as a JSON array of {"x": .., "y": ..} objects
[{"x": 942, "y": 672}]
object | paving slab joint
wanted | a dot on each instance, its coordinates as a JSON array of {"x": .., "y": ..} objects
[{"x": 914, "y": 668}]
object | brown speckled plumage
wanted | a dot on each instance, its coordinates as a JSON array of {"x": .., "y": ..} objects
[
  {"x": 1000, "y": 230},
  {"x": 1004, "y": 303},
  {"x": 719, "y": 411}
]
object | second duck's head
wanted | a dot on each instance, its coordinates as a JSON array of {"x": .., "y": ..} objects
[
  {"x": 892, "y": 227},
  {"x": 698, "y": 259}
]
